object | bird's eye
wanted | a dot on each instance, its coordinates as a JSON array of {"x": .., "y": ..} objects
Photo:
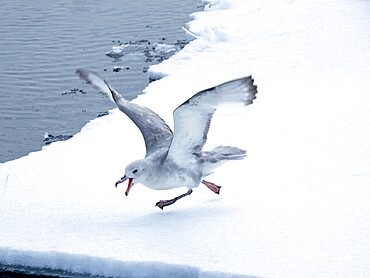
[{"x": 134, "y": 171}]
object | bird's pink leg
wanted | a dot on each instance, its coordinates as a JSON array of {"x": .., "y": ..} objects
[
  {"x": 163, "y": 203},
  {"x": 212, "y": 186}
]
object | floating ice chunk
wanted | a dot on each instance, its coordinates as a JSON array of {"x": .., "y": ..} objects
[{"x": 153, "y": 51}]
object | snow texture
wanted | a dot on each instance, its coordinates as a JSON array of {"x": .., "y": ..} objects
[{"x": 297, "y": 206}]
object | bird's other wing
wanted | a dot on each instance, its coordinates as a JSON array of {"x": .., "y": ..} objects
[
  {"x": 157, "y": 134},
  {"x": 192, "y": 119}
]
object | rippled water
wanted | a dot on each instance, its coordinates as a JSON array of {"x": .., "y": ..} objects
[{"x": 43, "y": 42}]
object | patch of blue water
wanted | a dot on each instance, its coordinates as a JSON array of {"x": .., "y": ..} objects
[{"x": 43, "y": 42}]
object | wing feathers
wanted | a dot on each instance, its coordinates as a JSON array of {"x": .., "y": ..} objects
[
  {"x": 156, "y": 133},
  {"x": 94, "y": 80},
  {"x": 192, "y": 118}
]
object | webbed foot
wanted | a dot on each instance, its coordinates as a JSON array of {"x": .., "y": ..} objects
[
  {"x": 215, "y": 188},
  {"x": 163, "y": 203}
]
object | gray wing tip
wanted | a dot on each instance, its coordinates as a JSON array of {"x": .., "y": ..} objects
[
  {"x": 87, "y": 75},
  {"x": 84, "y": 74}
]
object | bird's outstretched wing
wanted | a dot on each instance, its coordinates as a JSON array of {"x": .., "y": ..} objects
[
  {"x": 192, "y": 119},
  {"x": 156, "y": 132}
]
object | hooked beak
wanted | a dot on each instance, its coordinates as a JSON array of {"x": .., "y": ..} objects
[
  {"x": 123, "y": 179},
  {"x": 130, "y": 183}
]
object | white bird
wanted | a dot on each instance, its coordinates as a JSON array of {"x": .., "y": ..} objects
[{"x": 176, "y": 159}]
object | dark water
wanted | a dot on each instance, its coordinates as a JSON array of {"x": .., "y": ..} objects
[
  {"x": 43, "y": 42},
  {"x": 19, "y": 271}
]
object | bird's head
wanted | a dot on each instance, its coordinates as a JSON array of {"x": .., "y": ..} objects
[{"x": 135, "y": 171}]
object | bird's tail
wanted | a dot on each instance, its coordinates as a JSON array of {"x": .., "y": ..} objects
[
  {"x": 217, "y": 156},
  {"x": 227, "y": 153}
]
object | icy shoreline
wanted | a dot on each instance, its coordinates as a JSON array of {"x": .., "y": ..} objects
[{"x": 73, "y": 265}]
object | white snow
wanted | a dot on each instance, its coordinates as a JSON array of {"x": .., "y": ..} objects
[{"x": 297, "y": 206}]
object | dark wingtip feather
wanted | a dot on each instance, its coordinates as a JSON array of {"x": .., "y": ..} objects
[
  {"x": 83, "y": 74},
  {"x": 251, "y": 89},
  {"x": 92, "y": 78}
]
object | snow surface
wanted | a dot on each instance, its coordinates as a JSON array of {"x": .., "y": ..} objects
[{"x": 297, "y": 206}]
